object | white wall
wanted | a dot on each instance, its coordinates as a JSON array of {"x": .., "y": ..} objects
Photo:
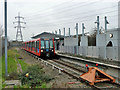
[
  {"x": 101, "y": 40},
  {"x": 115, "y": 38},
  {"x": 84, "y": 41},
  {"x": 112, "y": 53},
  {"x": 91, "y": 51},
  {"x": 70, "y": 41}
]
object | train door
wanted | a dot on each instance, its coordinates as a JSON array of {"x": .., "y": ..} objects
[{"x": 47, "y": 45}]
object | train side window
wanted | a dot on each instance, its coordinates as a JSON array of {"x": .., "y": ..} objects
[
  {"x": 27, "y": 45},
  {"x": 42, "y": 44},
  {"x": 35, "y": 46},
  {"x": 51, "y": 44},
  {"x": 31, "y": 46}
]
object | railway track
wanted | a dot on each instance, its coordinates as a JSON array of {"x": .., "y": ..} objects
[
  {"x": 71, "y": 70},
  {"x": 104, "y": 85}
]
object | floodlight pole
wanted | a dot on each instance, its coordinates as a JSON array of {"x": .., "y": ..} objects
[
  {"x": 5, "y": 10},
  {"x": 59, "y": 32},
  {"x": 98, "y": 25},
  {"x": 77, "y": 35},
  {"x": 69, "y": 32},
  {"x": 83, "y": 27},
  {"x": 64, "y": 32}
]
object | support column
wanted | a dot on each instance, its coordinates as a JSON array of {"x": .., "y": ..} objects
[
  {"x": 69, "y": 32},
  {"x": 77, "y": 36},
  {"x": 97, "y": 36},
  {"x": 55, "y": 32},
  {"x": 106, "y": 22},
  {"x": 64, "y": 32},
  {"x": 59, "y": 32},
  {"x": 83, "y": 29}
]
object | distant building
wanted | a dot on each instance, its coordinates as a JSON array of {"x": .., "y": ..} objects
[{"x": 15, "y": 43}]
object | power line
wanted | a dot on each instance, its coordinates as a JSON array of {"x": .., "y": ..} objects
[
  {"x": 78, "y": 13},
  {"x": 50, "y": 24},
  {"x": 89, "y": 16},
  {"x": 19, "y": 27},
  {"x": 70, "y": 8},
  {"x": 53, "y": 6}
]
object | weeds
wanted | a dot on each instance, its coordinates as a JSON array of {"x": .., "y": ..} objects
[{"x": 35, "y": 78}]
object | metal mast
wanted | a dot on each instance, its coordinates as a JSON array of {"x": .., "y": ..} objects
[
  {"x": 5, "y": 13},
  {"x": 19, "y": 36}
]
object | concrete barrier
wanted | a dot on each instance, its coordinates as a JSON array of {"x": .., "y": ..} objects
[{"x": 91, "y": 51}]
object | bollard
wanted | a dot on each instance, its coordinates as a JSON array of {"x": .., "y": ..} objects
[
  {"x": 96, "y": 65},
  {"x": 46, "y": 63},
  {"x": 52, "y": 66},
  {"x": 59, "y": 71},
  {"x": 87, "y": 67}
]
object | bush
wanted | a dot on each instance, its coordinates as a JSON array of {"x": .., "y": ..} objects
[{"x": 35, "y": 78}]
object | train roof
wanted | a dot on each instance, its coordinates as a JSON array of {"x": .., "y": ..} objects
[{"x": 47, "y": 35}]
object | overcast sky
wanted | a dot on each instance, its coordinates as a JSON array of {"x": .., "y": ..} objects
[{"x": 50, "y": 15}]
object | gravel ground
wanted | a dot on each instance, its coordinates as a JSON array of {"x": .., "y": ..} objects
[{"x": 59, "y": 80}]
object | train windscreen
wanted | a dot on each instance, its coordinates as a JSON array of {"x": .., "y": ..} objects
[
  {"x": 42, "y": 44},
  {"x": 47, "y": 44},
  {"x": 51, "y": 44}
]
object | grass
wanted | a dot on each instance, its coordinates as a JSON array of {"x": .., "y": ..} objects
[
  {"x": 24, "y": 66},
  {"x": 0, "y": 73},
  {"x": 36, "y": 77},
  {"x": 12, "y": 63}
]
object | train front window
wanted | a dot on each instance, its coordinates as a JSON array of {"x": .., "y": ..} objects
[
  {"x": 47, "y": 44},
  {"x": 42, "y": 44},
  {"x": 51, "y": 44}
]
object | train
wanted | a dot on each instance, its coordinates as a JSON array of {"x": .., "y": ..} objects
[{"x": 42, "y": 47}]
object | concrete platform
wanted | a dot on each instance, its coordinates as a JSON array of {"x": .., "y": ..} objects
[
  {"x": 81, "y": 59},
  {"x": 12, "y": 82}
]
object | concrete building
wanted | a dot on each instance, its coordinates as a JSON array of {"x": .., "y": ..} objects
[
  {"x": 15, "y": 43},
  {"x": 107, "y": 44}
]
